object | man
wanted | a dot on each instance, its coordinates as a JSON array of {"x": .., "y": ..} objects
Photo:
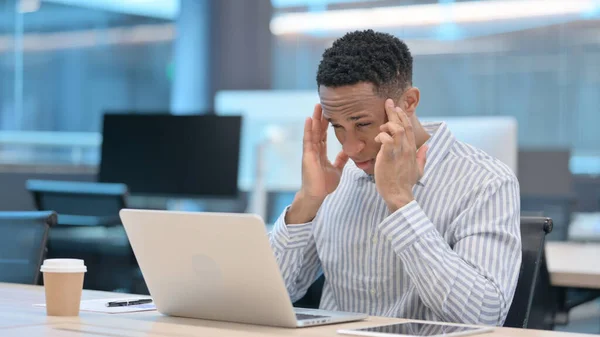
[{"x": 418, "y": 224}]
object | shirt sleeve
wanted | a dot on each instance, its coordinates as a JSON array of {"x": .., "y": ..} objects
[
  {"x": 296, "y": 254},
  {"x": 472, "y": 280}
]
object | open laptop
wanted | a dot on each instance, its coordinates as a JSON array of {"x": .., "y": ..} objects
[{"x": 215, "y": 266}]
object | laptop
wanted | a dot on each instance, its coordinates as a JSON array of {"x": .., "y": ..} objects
[{"x": 216, "y": 266}]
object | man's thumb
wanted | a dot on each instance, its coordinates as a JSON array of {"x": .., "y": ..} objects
[{"x": 340, "y": 160}]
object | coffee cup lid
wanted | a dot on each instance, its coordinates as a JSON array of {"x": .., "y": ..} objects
[{"x": 63, "y": 266}]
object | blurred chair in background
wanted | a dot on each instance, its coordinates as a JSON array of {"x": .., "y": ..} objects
[
  {"x": 534, "y": 303},
  {"x": 89, "y": 228},
  {"x": 15, "y": 197},
  {"x": 23, "y": 237},
  {"x": 80, "y": 203}
]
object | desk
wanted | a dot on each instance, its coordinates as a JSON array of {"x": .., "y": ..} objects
[
  {"x": 19, "y": 318},
  {"x": 575, "y": 265}
]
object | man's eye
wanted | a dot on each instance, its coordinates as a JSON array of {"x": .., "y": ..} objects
[
  {"x": 360, "y": 125},
  {"x": 336, "y": 126}
]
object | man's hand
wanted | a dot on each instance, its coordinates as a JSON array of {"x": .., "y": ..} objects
[
  {"x": 399, "y": 165},
  {"x": 319, "y": 176}
]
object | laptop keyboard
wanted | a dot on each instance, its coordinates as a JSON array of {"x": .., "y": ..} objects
[{"x": 301, "y": 317}]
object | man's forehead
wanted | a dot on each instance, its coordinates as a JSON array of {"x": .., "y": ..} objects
[
  {"x": 351, "y": 105},
  {"x": 352, "y": 115}
]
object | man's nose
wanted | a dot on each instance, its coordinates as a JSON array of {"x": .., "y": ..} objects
[{"x": 353, "y": 146}]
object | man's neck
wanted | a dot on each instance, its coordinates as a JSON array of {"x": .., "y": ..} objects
[{"x": 421, "y": 136}]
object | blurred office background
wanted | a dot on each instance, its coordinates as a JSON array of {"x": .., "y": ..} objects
[{"x": 520, "y": 79}]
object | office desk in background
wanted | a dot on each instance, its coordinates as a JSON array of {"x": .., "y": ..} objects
[
  {"x": 19, "y": 318},
  {"x": 573, "y": 264},
  {"x": 574, "y": 269}
]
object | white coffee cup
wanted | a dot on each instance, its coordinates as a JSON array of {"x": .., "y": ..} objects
[{"x": 63, "y": 284}]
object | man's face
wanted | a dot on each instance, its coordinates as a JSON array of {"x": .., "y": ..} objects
[{"x": 356, "y": 113}]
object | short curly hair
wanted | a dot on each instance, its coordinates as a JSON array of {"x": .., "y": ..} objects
[{"x": 367, "y": 56}]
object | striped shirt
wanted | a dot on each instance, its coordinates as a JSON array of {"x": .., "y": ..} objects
[{"x": 453, "y": 254}]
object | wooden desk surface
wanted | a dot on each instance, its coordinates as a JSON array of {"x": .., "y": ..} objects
[
  {"x": 574, "y": 264},
  {"x": 19, "y": 318}
]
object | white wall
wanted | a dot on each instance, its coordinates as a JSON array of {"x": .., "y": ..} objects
[{"x": 267, "y": 113}]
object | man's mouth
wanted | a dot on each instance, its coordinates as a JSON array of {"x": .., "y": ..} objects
[{"x": 363, "y": 164}]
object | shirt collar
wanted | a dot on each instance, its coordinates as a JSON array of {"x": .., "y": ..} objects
[{"x": 439, "y": 143}]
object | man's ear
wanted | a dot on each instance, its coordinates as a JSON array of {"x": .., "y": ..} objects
[{"x": 410, "y": 101}]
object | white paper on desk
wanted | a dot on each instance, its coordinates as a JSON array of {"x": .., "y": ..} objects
[{"x": 100, "y": 306}]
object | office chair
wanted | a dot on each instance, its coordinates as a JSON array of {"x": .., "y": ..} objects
[
  {"x": 23, "y": 237},
  {"x": 312, "y": 298},
  {"x": 80, "y": 203},
  {"x": 532, "y": 303},
  {"x": 89, "y": 228}
]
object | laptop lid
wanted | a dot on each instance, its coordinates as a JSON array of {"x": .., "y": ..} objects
[{"x": 210, "y": 266}]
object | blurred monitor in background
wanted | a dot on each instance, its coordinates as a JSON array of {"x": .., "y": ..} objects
[
  {"x": 546, "y": 186},
  {"x": 496, "y": 135},
  {"x": 545, "y": 173},
  {"x": 172, "y": 155}
]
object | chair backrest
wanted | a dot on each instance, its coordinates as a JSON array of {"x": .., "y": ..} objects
[
  {"x": 533, "y": 238},
  {"x": 78, "y": 198},
  {"x": 23, "y": 238},
  {"x": 312, "y": 298}
]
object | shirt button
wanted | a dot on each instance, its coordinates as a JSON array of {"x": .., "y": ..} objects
[
  {"x": 373, "y": 291},
  {"x": 374, "y": 240}
]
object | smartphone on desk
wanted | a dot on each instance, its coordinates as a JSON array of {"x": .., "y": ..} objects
[{"x": 417, "y": 329}]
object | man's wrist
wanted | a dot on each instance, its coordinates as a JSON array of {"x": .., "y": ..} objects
[
  {"x": 396, "y": 202},
  {"x": 302, "y": 210}
]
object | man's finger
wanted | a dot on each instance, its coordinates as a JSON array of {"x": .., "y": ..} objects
[
  {"x": 390, "y": 111},
  {"x": 408, "y": 128},
  {"x": 307, "y": 140},
  {"x": 387, "y": 145},
  {"x": 384, "y": 138},
  {"x": 316, "y": 123},
  {"x": 324, "y": 125},
  {"x": 340, "y": 160},
  {"x": 393, "y": 129},
  {"x": 323, "y": 148}
]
